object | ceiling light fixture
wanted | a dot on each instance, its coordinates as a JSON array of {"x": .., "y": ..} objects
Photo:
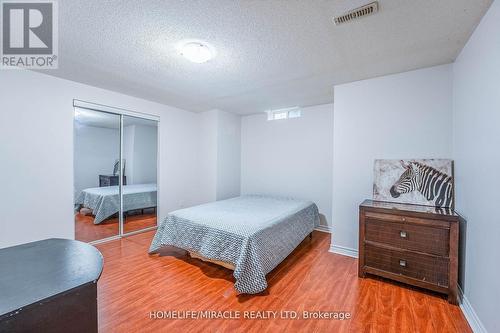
[{"x": 197, "y": 52}]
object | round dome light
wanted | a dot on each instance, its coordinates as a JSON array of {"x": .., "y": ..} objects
[{"x": 197, "y": 52}]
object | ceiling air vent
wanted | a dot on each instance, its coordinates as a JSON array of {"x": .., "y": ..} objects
[{"x": 357, "y": 13}]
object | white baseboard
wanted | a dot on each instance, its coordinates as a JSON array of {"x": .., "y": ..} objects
[
  {"x": 469, "y": 313},
  {"x": 345, "y": 251},
  {"x": 323, "y": 228}
]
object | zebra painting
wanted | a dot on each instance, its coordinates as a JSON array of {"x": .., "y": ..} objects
[{"x": 427, "y": 182}]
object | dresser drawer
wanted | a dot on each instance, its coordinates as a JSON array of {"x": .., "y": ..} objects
[
  {"x": 422, "y": 267},
  {"x": 408, "y": 236},
  {"x": 416, "y": 245}
]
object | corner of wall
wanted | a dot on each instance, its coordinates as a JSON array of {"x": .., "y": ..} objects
[
  {"x": 220, "y": 158},
  {"x": 344, "y": 251},
  {"x": 470, "y": 314}
]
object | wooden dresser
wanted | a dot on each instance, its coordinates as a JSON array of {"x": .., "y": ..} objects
[
  {"x": 417, "y": 245},
  {"x": 111, "y": 180}
]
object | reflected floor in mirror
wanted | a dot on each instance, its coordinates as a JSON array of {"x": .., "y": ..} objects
[{"x": 87, "y": 231}]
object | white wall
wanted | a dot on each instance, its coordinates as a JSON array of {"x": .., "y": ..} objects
[
  {"x": 36, "y": 175},
  {"x": 406, "y": 115},
  {"x": 476, "y": 150},
  {"x": 291, "y": 157},
  {"x": 96, "y": 150},
  {"x": 140, "y": 159},
  {"x": 128, "y": 152},
  {"x": 207, "y": 162},
  {"x": 219, "y": 161},
  {"x": 228, "y": 155}
]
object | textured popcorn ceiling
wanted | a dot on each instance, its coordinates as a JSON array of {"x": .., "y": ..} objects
[{"x": 270, "y": 54}]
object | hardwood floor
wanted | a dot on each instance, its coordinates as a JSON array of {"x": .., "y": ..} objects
[
  {"x": 87, "y": 231},
  {"x": 134, "y": 284}
]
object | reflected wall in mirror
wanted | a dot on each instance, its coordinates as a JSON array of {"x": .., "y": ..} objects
[
  {"x": 140, "y": 147},
  {"x": 96, "y": 189}
]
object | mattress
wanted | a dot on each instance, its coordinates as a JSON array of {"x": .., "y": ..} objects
[
  {"x": 254, "y": 233},
  {"x": 105, "y": 201}
]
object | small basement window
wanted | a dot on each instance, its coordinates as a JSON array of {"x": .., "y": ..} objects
[{"x": 294, "y": 112}]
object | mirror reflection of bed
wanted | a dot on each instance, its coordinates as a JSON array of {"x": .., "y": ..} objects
[
  {"x": 97, "y": 167},
  {"x": 98, "y": 209}
]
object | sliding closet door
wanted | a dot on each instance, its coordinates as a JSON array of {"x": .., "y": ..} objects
[
  {"x": 96, "y": 174},
  {"x": 139, "y": 198}
]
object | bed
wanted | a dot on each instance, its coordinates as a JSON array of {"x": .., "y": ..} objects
[
  {"x": 251, "y": 234},
  {"x": 105, "y": 201}
]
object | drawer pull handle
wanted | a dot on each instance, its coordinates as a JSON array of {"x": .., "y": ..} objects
[
  {"x": 403, "y": 234},
  {"x": 404, "y": 219},
  {"x": 402, "y": 263}
]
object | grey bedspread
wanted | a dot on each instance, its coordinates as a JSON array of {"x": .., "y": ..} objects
[
  {"x": 254, "y": 233},
  {"x": 105, "y": 201}
]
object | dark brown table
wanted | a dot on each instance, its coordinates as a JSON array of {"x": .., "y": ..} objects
[{"x": 49, "y": 286}]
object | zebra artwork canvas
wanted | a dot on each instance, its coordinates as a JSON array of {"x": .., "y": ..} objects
[{"x": 421, "y": 182}]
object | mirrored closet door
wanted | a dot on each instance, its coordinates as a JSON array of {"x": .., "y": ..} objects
[
  {"x": 139, "y": 153},
  {"x": 96, "y": 151},
  {"x": 115, "y": 172}
]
